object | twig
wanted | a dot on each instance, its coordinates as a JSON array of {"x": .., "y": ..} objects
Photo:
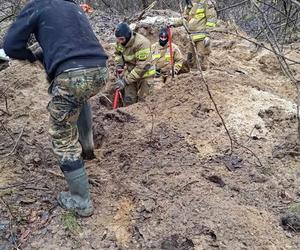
[
  {"x": 296, "y": 2},
  {"x": 249, "y": 150},
  {"x": 7, "y": 17},
  {"x": 2, "y": 125},
  {"x": 18, "y": 184},
  {"x": 35, "y": 188},
  {"x": 12, "y": 218},
  {"x": 208, "y": 89},
  {"x": 6, "y": 104},
  {"x": 7, "y": 88},
  {"x": 152, "y": 121},
  {"x": 111, "y": 8},
  {"x": 55, "y": 174},
  {"x": 8, "y": 207},
  {"x": 17, "y": 142},
  {"x": 106, "y": 98},
  {"x": 94, "y": 182},
  {"x": 188, "y": 184}
]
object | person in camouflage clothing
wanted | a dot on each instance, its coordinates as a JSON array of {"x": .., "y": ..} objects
[
  {"x": 199, "y": 17},
  {"x": 75, "y": 63},
  {"x": 133, "y": 64}
]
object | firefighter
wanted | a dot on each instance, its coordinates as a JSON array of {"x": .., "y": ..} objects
[
  {"x": 161, "y": 56},
  {"x": 199, "y": 17},
  {"x": 133, "y": 64}
]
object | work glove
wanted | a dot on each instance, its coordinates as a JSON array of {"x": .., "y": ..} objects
[
  {"x": 120, "y": 84},
  {"x": 157, "y": 73},
  {"x": 206, "y": 41},
  {"x": 176, "y": 71},
  {"x": 119, "y": 70}
]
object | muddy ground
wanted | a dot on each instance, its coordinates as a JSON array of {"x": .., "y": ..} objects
[{"x": 162, "y": 178}]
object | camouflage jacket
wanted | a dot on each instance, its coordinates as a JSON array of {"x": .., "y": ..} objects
[
  {"x": 136, "y": 57},
  {"x": 161, "y": 57}
]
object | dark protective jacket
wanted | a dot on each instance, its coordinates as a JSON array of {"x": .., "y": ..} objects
[{"x": 63, "y": 32}]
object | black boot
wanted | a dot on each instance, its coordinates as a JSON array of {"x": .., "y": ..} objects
[{"x": 85, "y": 130}]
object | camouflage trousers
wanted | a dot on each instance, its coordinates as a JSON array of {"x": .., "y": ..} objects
[{"x": 70, "y": 91}]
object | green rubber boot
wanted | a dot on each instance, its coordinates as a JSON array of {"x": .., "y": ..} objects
[{"x": 78, "y": 198}]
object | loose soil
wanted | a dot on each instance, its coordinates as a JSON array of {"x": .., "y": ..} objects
[{"x": 163, "y": 178}]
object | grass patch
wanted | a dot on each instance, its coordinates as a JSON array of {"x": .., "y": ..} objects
[
  {"x": 70, "y": 222},
  {"x": 295, "y": 208}
]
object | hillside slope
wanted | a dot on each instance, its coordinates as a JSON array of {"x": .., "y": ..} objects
[{"x": 162, "y": 179}]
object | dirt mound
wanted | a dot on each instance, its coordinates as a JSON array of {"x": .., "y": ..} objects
[{"x": 161, "y": 179}]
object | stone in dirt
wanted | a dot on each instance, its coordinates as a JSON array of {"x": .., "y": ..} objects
[
  {"x": 177, "y": 242},
  {"x": 291, "y": 221}
]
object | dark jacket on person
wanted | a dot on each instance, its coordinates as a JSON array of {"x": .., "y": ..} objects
[{"x": 63, "y": 32}]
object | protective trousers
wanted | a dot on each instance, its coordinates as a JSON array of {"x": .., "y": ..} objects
[
  {"x": 70, "y": 92},
  {"x": 203, "y": 54},
  {"x": 136, "y": 91}
]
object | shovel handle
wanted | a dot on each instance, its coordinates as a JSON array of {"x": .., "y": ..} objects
[
  {"x": 116, "y": 99},
  {"x": 171, "y": 49}
]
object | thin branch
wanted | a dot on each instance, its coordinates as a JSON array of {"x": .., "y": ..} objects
[
  {"x": 296, "y": 2},
  {"x": 284, "y": 65},
  {"x": 17, "y": 142},
  {"x": 208, "y": 89},
  {"x": 2, "y": 125},
  {"x": 141, "y": 14},
  {"x": 7, "y": 17},
  {"x": 6, "y": 104}
]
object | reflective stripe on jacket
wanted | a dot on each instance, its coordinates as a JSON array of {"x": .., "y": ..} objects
[
  {"x": 200, "y": 17},
  {"x": 161, "y": 57},
  {"x": 136, "y": 56}
]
